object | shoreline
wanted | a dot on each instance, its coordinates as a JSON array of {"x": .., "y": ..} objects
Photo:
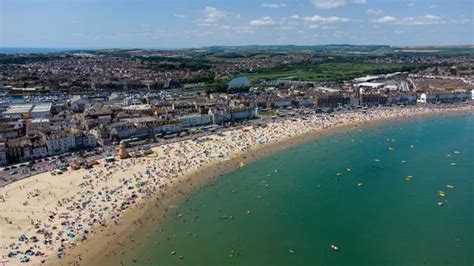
[
  {"x": 157, "y": 203},
  {"x": 206, "y": 176}
]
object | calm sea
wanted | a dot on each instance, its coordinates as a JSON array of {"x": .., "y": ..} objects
[
  {"x": 290, "y": 207},
  {"x": 28, "y": 50}
]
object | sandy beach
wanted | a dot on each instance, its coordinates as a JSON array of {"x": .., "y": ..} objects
[{"x": 74, "y": 218}]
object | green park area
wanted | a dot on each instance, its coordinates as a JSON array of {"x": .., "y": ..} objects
[{"x": 328, "y": 71}]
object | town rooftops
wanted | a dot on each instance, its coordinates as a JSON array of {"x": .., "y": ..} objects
[
  {"x": 366, "y": 78},
  {"x": 138, "y": 107},
  {"x": 18, "y": 109},
  {"x": 42, "y": 107},
  {"x": 371, "y": 84},
  {"x": 40, "y": 120},
  {"x": 326, "y": 89},
  {"x": 143, "y": 119},
  {"x": 27, "y": 108}
]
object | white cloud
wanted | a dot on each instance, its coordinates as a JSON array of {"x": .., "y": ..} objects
[
  {"x": 295, "y": 17},
  {"x": 461, "y": 21},
  {"x": 331, "y": 4},
  {"x": 328, "y": 4},
  {"x": 431, "y": 17},
  {"x": 385, "y": 19},
  {"x": 274, "y": 5},
  {"x": 316, "y": 21},
  {"x": 263, "y": 21},
  {"x": 423, "y": 20},
  {"x": 420, "y": 20},
  {"x": 212, "y": 14},
  {"x": 376, "y": 12}
]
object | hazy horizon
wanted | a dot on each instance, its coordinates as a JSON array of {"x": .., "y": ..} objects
[{"x": 230, "y": 45}]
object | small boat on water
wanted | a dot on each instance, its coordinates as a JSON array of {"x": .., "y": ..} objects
[
  {"x": 334, "y": 247},
  {"x": 440, "y": 203},
  {"x": 442, "y": 193},
  {"x": 360, "y": 184},
  {"x": 450, "y": 186}
]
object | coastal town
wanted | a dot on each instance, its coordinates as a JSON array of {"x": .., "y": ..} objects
[
  {"x": 67, "y": 107},
  {"x": 221, "y": 133},
  {"x": 85, "y": 136}
]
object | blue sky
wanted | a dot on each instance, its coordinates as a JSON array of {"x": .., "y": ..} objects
[{"x": 196, "y": 23}]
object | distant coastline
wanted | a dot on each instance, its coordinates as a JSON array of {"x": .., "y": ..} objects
[{"x": 31, "y": 50}]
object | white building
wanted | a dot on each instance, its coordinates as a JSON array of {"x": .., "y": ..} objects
[
  {"x": 40, "y": 110},
  {"x": 195, "y": 120},
  {"x": 371, "y": 85},
  {"x": 79, "y": 104},
  {"x": 61, "y": 143},
  {"x": 90, "y": 140},
  {"x": 39, "y": 152}
]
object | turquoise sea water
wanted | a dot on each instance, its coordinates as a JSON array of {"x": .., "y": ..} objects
[{"x": 298, "y": 203}]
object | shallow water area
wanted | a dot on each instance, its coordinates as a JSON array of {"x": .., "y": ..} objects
[{"x": 374, "y": 193}]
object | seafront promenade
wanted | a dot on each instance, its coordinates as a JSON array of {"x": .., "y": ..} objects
[{"x": 44, "y": 216}]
